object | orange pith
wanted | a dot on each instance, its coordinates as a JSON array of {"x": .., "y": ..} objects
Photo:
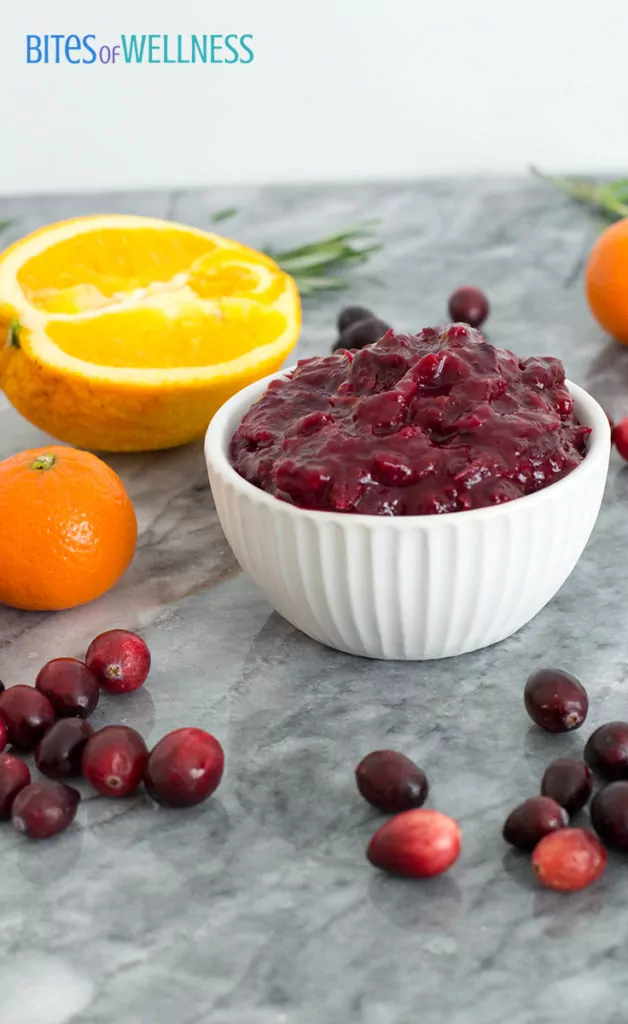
[{"x": 132, "y": 331}]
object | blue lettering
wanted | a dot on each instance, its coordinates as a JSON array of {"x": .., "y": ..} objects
[
  {"x": 33, "y": 44},
  {"x": 214, "y": 47},
  {"x": 167, "y": 59},
  {"x": 153, "y": 46},
  {"x": 72, "y": 44},
  {"x": 180, "y": 59},
  {"x": 134, "y": 51},
  {"x": 90, "y": 49},
  {"x": 247, "y": 48},
  {"x": 232, "y": 49},
  {"x": 201, "y": 49},
  {"x": 57, "y": 40}
]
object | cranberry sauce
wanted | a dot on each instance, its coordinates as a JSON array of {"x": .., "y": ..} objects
[{"x": 418, "y": 424}]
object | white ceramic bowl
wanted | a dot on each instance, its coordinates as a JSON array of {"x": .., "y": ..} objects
[{"x": 409, "y": 587}]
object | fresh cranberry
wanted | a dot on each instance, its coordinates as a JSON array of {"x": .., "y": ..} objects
[
  {"x": 532, "y": 820},
  {"x": 4, "y": 735},
  {"x": 611, "y": 423},
  {"x": 361, "y": 333},
  {"x": 555, "y": 700},
  {"x": 60, "y": 753},
  {"x": 569, "y": 859},
  {"x": 569, "y": 782},
  {"x": 27, "y": 714},
  {"x": 422, "y": 424},
  {"x": 609, "y": 814},
  {"x": 417, "y": 843},
  {"x": 620, "y": 438},
  {"x": 119, "y": 659},
  {"x": 14, "y": 775},
  {"x": 606, "y": 751},
  {"x": 44, "y": 809},
  {"x": 351, "y": 315},
  {"x": 114, "y": 760},
  {"x": 70, "y": 686},
  {"x": 391, "y": 782},
  {"x": 468, "y": 305},
  {"x": 184, "y": 768},
  {"x": 2, "y": 687}
]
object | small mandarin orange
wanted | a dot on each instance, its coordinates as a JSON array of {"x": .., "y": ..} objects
[
  {"x": 607, "y": 280},
  {"x": 68, "y": 529}
]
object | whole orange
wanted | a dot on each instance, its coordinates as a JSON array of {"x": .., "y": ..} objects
[
  {"x": 607, "y": 280},
  {"x": 67, "y": 529}
]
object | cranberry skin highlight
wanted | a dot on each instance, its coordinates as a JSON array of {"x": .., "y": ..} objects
[
  {"x": 609, "y": 815},
  {"x": 14, "y": 776},
  {"x": 606, "y": 751},
  {"x": 468, "y": 305},
  {"x": 120, "y": 660},
  {"x": 44, "y": 809},
  {"x": 418, "y": 844},
  {"x": 533, "y": 819},
  {"x": 184, "y": 768},
  {"x": 60, "y": 753},
  {"x": 4, "y": 735},
  {"x": 555, "y": 700},
  {"x": 27, "y": 714},
  {"x": 569, "y": 860},
  {"x": 70, "y": 686},
  {"x": 391, "y": 782},
  {"x": 114, "y": 760},
  {"x": 569, "y": 782}
]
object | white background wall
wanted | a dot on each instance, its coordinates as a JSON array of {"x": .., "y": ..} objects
[{"x": 339, "y": 89}]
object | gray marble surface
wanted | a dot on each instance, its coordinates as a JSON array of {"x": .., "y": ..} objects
[{"x": 259, "y": 907}]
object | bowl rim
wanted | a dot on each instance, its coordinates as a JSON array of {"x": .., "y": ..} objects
[{"x": 225, "y": 420}]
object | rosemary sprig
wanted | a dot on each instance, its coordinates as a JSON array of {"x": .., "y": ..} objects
[
  {"x": 317, "y": 266},
  {"x": 610, "y": 197}
]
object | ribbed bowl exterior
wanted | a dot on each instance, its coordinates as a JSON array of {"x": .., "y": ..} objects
[{"x": 409, "y": 588}]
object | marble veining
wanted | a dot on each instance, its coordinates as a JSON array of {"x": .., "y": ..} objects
[{"x": 259, "y": 907}]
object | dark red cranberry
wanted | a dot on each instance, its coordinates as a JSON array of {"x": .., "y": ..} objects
[
  {"x": 555, "y": 700},
  {"x": 620, "y": 438},
  {"x": 417, "y": 843},
  {"x": 569, "y": 860},
  {"x": 14, "y": 775},
  {"x": 391, "y": 782},
  {"x": 606, "y": 751},
  {"x": 351, "y": 315},
  {"x": 119, "y": 659},
  {"x": 569, "y": 782},
  {"x": 468, "y": 305},
  {"x": 184, "y": 768},
  {"x": 70, "y": 686},
  {"x": 532, "y": 820},
  {"x": 27, "y": 714},
  {"x": 609, "y": 814},
  {"x": 60, "y": 753},
  {"x": 2, "y": 687},
  {"x": 4, "y": 735},
  {"x": 361, "y": 333},
  {"x": 114, "y": 760},
  {"x": 44, "y": 809}
]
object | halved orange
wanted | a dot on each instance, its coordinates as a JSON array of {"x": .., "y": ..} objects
[{"x": 122, "y": 333}]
